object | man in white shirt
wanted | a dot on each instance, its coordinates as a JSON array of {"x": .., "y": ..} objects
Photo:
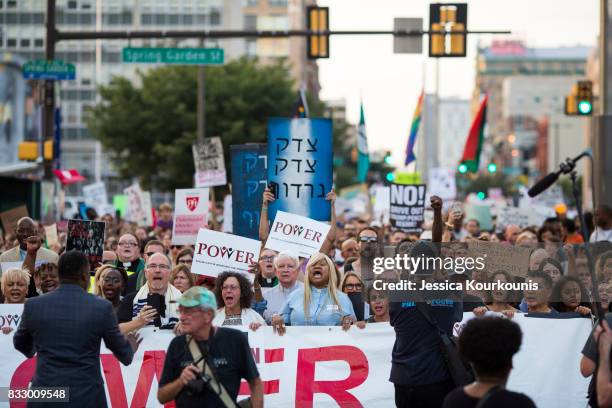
[
  {"x": 603, "y": 224},
  {"x": 287, "y": 266}
]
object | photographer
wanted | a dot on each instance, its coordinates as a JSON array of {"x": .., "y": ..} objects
[{"x": 204, "y": 365}]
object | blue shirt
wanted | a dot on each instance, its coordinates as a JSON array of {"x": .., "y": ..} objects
[{"x": 323, "y": 311}]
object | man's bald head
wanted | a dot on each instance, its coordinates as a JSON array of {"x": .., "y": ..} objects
[{"x": 26, "y": 227}]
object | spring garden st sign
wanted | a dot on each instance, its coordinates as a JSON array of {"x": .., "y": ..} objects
[{"x": 177, "y": 56}]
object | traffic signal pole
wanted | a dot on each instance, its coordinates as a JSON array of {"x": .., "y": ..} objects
[
  {"x": 49, "y": 88},
  {"x": 602, "y": 136}
]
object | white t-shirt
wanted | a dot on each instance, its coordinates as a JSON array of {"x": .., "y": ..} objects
[
  {"x": 247, "y": 316},
  {"x": 600, "y": 235}
]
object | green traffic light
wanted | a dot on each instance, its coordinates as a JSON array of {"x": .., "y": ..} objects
[
  {"x": 481, "y": 195},
  {"x": 492, "y": 167},
  {"x": 390, "y": 177},
  {"x": 463, "y": 168},
  {"x": 389, "y": 159},
  {"x": 585, "y": 107}
]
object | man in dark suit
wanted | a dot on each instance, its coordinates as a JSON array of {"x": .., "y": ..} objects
[{"x": 65, "y": 328}]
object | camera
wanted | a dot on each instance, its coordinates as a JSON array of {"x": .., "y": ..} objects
[{"x": 198, "y": 385}]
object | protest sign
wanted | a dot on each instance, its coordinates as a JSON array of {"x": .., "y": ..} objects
[
  {"x": 209, "y": 162},
  {"x": 9, "y": 218},
  {"x": 480, "y": 213},
  {"x": 51, "y": 234},
  {"x": 120, "y": 202},
  {"x": 382, "y": 204},
  {"x": 442, "y": 183},
  {"x": 327, "y": 367},
  {"x": 190, "y": 214},
  {"x": 497, "y": 256},
  {"x": 216, "y": 252},
  {"x": 357, "y": 197},
  {"x": 249, "y": 173},
  {"x": 95, "y": 196},
  {"x": 10, "y": 315},
  {"x": 299, "y": 234},
  {"x": 407, "y": 206},
  {"x": 228, "y": 219},
  {"x": 406, "y": 178},
  {"x": 300, "y": 166},
  {"x": 512, "y": 215},
  {"x": 87, "y": 237},
  {"x": 139, "y": 206}
]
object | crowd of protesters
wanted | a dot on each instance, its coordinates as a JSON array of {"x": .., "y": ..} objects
[{"x": 143, "y": 275}]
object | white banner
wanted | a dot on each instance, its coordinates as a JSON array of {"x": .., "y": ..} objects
[
  {"x": 139, "y": 206},
  {"x": 442, "y": 183},
  {"x": 216, "y": 252},
  {"x": 10, "y": 315},
  {"x": 382, "y": 204},
  {"x": 294, "y": 232},
  {"x": 190, "y": 214},
  {"x": 209, "y": 162},
  {"x": 326, "y": 367}
]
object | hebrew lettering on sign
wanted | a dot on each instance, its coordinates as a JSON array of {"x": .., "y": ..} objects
[{"x": 300, "y": 172}]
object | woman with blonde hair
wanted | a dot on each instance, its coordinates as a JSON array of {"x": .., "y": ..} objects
[
  {"x": 109, "y": 283},
  {"x": 319, "y": 302}
]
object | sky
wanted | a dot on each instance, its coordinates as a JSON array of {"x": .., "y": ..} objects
[{"x": 365, "y": 68}]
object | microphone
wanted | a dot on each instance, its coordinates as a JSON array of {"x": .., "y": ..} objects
[
  {"x": 550, "y": 179},
  {"x": 543, "y": 184}
]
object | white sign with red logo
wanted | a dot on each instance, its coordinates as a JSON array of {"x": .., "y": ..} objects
[
  {"x": 297, "y": 233},
  {"x": 190, "y": 214},
  {"x": 217, "y": 252}
]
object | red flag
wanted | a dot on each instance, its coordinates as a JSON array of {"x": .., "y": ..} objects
[
  {"x": 473, "y": 144},
  {"x": 68, "y": 176}
]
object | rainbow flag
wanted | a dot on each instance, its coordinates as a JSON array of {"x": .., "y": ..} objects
[
  {"x": 414, "y": 130},
  {"x": 473, "y": 144}
]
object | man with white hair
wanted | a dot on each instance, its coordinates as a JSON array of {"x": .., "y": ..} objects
[
  {"x": 205, "y": 364},
  {"x": 155, "y": 301},
  {"x": 287, "y": 266}
]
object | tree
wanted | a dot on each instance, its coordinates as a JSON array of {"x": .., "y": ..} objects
[{"x": 149, "y": 128}]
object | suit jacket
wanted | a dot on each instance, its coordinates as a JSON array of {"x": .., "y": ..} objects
[
  {"x": 65, "y": 328},
  {"x": 43, "y": 254}
]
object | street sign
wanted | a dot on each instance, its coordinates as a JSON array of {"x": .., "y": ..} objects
[
  {"x": 178, "y": 56},
  {"x": 52, "y": 70},
  {"x": 408, "y": 45}
]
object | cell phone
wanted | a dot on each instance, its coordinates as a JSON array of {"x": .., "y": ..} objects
[
  {"x": 157, "y": 302},
  {"x": 358, "y": 304},
  {"x": 273, "y": 188}
]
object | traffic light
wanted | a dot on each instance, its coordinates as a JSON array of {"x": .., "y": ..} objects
[
  {"x": 390, "y": 177},
  {"x": 462, "y": 168},
  {"x": 580, "y": 101},
  {"x": 447, "y": 21},
  {"x": 28, "y": 151},
  {"x": 492, "y": 167},
  {"x": 481, "y": 195},
  {"x": 388, "y": 159},
  {"x": 317, "y": 20}
]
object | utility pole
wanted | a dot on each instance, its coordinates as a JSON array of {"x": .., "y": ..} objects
[
  {"x": 602, "y": 137},
  {"x": 201, "y": 108},
  {"x": 49, "y": 90}
]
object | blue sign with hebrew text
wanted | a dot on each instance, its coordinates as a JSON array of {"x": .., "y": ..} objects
[
  {"x": 300, "y": 170},
  {"x": 249, "y": 166}
]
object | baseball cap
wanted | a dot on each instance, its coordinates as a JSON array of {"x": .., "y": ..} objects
[{"x": 198, "y": 296}]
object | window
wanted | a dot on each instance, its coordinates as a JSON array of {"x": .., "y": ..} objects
[
  {"x": 72, "y": 19},
  {"x": 146, "y": 19},
  {"x": 215, "y": 17},
  {"x": 1, "y": 4},
  {"x": 25, "y": 42},
  {"x": 201, "y": 19},
  {"x": 38, "y": 18},
  {"x": 250, "y": 3},
  {"x": 251, "y": 47},
  {"x": 173, "y": 19},
  {"x": 10, "y": 18},
  {"x": 187, "y": 19},
  {"x": 72, "y": 4},
  {"x": 86, "y": 6},
  {"x": 25, "y": 18},
  {"x": 11, "y": 43},
  {"x": 250, "y": 22},
  {"x": 11, "y": 4},
  {"x": 160, "y": 19},
  {"x": 126, "y": 16}
]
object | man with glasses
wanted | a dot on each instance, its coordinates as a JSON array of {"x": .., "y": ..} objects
[
  {"x": 205, "y": 364},
  {"x": 136, "y": 281},
  {"x": 128, "y": 257},
  {"x": 267, "y": 278},
  {"x": 368, "y": 247},
  {"x": 155, "y": 302}
]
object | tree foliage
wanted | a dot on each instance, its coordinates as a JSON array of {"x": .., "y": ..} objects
[{"x": 149, "y": 128}]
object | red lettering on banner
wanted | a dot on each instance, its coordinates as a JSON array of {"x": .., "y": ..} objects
[
  {"x": 249, "y": 258},
  {"x": 278, "y": 225},
  {"x": 269, "y": 386},
  {"x": 21, "y": 378},
  {"x": 306, "y": 385},
  {"x": 285, "y": 229},
  {"x": 317, "y": 237},
  {"x": 201, "y": 248},
  {"x": 308, "y": 234},
  {"x": 114, "y": 381},
  {"x": 239, "y": 256}
]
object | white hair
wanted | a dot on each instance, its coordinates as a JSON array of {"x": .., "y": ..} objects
[{"x": 287, "y": 254}]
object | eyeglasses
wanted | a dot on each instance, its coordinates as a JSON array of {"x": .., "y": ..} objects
[
  {"x": 175, "y": 246},
  {"x": 267, "y": 258},
  {"x": 185, "y": 261},
  {"x": 353, "y": 286},
  {"x": 368, "y": 239},
  {"x": 374, "y": 298},
  {"x": 128, "y": 244},
  {"x": 230, "y": 287},
  {"x": 161, "y": 267}
]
